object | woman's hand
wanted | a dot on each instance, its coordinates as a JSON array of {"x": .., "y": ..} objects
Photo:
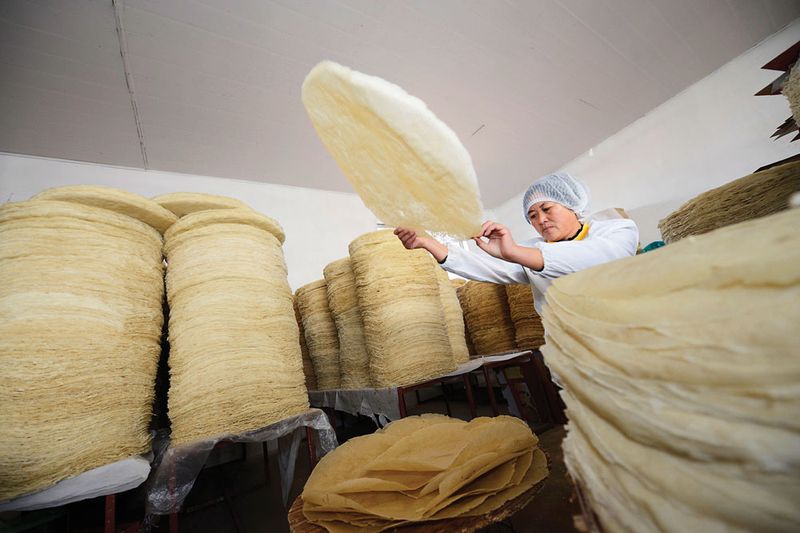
[
  {"x": 499, "y": 242},
  {"x": 412, "y": 241},
  {"x": 501, "y": 245}
]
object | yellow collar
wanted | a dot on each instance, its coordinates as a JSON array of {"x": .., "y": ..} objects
[
  {"x": 580, "y": 236},
  {"x": 583, "y": 233}
]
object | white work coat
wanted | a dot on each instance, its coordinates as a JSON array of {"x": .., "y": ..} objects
[{"x": 606, "y": 241}]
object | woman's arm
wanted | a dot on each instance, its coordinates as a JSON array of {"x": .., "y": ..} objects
[
  {"x": 501, "y": 244},
  {"x": 412, "y": 240},
  {"x": 478, "y": 267}
]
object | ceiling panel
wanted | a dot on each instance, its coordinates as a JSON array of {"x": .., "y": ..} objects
[
  {"x": 62, "y": 86},
  {"x": 527, "y": 86}
]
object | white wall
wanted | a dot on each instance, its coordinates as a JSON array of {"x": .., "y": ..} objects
[
  {"x": 318, "y": 224},
  {"x": 710, "y": 134}
]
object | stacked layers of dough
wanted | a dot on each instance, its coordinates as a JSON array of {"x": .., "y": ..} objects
[
  {"x": 308, "y": 366},
  {"x": 235, "y": 360},
  {"x": 488, "y": 317},
  {"x": 420, "y": 469},
  {"x": 791, "y": 89},
  {"x": 321, "y": 335},
  {"x": 185, "y": 203},
  {"x": 123, "y": 202},
  {"x": 753, "y": 196},
  {"x": 343, "y": 302},
  {"x": 458, "y": 285},
  {"x": 404, "y": 323},
  {"x": 80, "y": 328},
  {"x": 528, "y": 328},
  {"x": 682, "y": 381},
  {"x": 454, "y": 317}
]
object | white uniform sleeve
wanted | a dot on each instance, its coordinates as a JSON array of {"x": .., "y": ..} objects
[
  {"x": 482, "y": 267},
  {"x": 616, "y": 241}
]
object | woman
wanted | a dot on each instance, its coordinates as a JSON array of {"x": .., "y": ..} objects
[{"x": 554, "y": 205}]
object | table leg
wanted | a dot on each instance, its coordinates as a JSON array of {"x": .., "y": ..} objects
[
  {"x": 446, "y": 401},
  {"x": 555, "y": 402},
  {"x": 312, "y": 449},
  {"x": 110, "y": 518},
  {"x": 517, "y": 397},
  {"x": 173, "y": 517},
  {"x": 470, "y": 399},
  {"x": 533, "y": 379},
  {"x": 490, "y": 391},
  {"x": 401, "y": 401},
  {"x": 265, "y": 449}
]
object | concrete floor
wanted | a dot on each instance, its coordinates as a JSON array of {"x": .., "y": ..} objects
[{"x": 257, "y": 504}]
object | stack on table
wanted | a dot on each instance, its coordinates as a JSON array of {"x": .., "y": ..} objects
[
  {"x": 682, "y": 381},
  {"x": 308, "y": 365},
  {"x": 752, "y": 196},
  {"x": 343, "y": 303},
  {"x": 320, "y": 333},
  {"x": 404, "y": 323},
  {"x": 528, "y": 328},
  {"x": 81, "y": 308},
  {"x": 232, "y": 326},
  {"x": 454, "y": 317},
  {"x": 488, "y": 317}
]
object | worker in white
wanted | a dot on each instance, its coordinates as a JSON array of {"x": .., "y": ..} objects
[{"x": 555, "y": 206}]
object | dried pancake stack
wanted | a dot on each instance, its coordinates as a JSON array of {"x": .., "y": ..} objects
[
  {"x": 123, "y": 202},
  {"x": 454, "y": 318},
  {"x": 683, "y": 409},
  {"x": 528, "y": 329},
  {"x": 184, "y": 203},
  {"x": 80, "y": 328},
  {"x": 458, "y": 285},
  {"x": 791, "y": 89},
  {"x": 404, "y": 323},
  {"x": 308, "y": 366},
  {"x": 235, "y": 360},
  {"x": 322, "y": 338},
  {"x": 343, "y": 302},
  {"x": 488, "y": 317},
  {"x": 753, "y": 196},
  {"x": 423, "y": 468}
]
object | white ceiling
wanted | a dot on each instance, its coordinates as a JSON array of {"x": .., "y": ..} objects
[{"x": 213, "y": 86}]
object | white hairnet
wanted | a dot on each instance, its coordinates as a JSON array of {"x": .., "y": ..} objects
[{"x": 560, "y": 187}]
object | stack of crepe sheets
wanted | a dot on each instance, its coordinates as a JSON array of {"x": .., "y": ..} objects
[
  {"x": 320, "y": 332},
  {"x": 752, "y": 196},
  {"x": 423, "y": 468},
  {"x": 235, "y": 360},
  {"x": 80, "y": 328},
  {"x": 681, "y": 375},
  {"x": 186, "y": 203},
  {"x": 458, "y": 285},
  {"x": 791, "y": 90},
  {"x": 528, "y": 328},
  {"x": 343, "y": 302},
  {"x": 453, "y": 317},
  {"x": 308, "y": 365},
  {"x": 401, "y": 307},
  {"x": 488, "y": 317}
]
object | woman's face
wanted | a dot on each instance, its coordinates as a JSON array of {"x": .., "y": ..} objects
[{"x": 553, "y": 221}]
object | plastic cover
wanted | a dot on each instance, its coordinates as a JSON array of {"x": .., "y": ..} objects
[
  {"x": 175, "y": 469},
  {"x": 383, "y": 404},
  {"x": 107, "y": 479}
]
